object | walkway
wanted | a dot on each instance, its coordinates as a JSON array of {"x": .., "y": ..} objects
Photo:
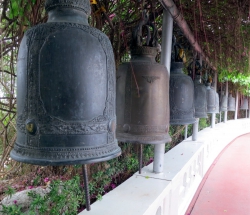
[{"x": 225, "y": 189}]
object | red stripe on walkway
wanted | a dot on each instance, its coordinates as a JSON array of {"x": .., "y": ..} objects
[{"x": 225, "y": 189}]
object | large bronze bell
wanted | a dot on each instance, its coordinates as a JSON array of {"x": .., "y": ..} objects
[
  {"x": 200, "y": 101},
  {"x": 223, "y": 102},
  {"x": 65, "y": 90},
  {"x": 142, "y": 102},
  {"x": 231, "y": 103},
  {"x": 212, "y": 99},
  {"x": 181, "y": 94},
  {"x": 244, "y": 106}
]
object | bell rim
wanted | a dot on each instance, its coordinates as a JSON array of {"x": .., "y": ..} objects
[
  {"x": 201, "y": 116},
  {"x": 180, "y": 122},
  {"x": 133, "y": 138},
  {"x": 46, "y": 162}
]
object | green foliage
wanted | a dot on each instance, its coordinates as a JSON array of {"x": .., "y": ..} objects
[
  {"x": 12, "y": 210},
  {"x": 240, "y": 79},
  {"x": 10, "y": 191},
  {"x": 203, "y": 123},
  {"x": 63, "y": 198}
]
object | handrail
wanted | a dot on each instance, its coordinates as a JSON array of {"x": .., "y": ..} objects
[{"x": 181, "y": 22}]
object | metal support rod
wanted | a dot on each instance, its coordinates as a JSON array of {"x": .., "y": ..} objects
[
  {"x": 236, "y": 105},
  {"x": 226, "y": 94},
  {"x": 166, "y": 44},
  {"x": 167, "y": 33},
  {"x": 181, "y": 22},
  {"x": 186, "y": 132},
  {"x": 140, "y": 157},
  {"x": 225, "y": 116},
  {"x": 86, "y": 186},
  {"x": 220, "y": 116},
  {"x": 214, "y": 114},
  {"x": 195, "y": 129},
  {"x": 213, "y": 120},
  {"x": 159, "y": 159}
]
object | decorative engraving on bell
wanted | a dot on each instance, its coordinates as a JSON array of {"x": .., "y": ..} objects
[
  {"x": 244, "y": 106},
  {"x": 65, "y": 90},
  {"x": 231, "y": 103},
  {"x": 212, "y": 99},
  {"x": 142, "y": 102},
  {"x": 223, "y": 102},
  {"x": 181, "y": 94}
]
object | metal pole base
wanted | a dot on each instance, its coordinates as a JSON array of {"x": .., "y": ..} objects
[
  {"x": 159, "y": 152},
  {"x": 86, "y": 186},
  {"x": 186, "y": 131},
  {"x": 195, "y": 129},
  {"x": 225, "y": 116},
  {"x": 213, "y": 120}
]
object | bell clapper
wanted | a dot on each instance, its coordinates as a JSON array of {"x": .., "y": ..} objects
[{"x": 86, "y": 186}]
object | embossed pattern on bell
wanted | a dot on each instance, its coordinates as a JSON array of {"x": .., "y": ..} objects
[
  {"x": 181, "y": 96},
  {"x": 244, "y": 106},
  {"x": 200, "y": 98},
  {"x": 212, "y": 100},
  {"x": 142, "y": 103},
  {"x": 66, "y": 91},
  {"x": 223, "y": 102},
  {"x": 231, "y": 103}
]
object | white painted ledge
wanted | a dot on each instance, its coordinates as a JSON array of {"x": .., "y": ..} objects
[{"x": 171, "y": 192}]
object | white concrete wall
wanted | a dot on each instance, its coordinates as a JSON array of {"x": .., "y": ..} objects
[{"x": 171, "y": 192}]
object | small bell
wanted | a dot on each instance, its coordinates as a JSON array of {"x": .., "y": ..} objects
[
  {"x": 181, "y": 94},
  {"x": 244, "y": 106},
  {"x": 223, "y": 102},
  {"x": 212, "y": 99},
  {"x": 231, "y": 103},
  {"x": 142, "y": 103},
  {"x": 200, "y": 101}
]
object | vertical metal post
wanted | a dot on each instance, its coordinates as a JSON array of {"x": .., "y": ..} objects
[
  {"x": 220, "y": 116},
  {"x": 213, "y": 120},
  {"x": 167, "y": 33},
  {"x": 86, "y": 186},
  {"x": 196, "y": 124},
  {"x": 166, "y": 44},
  {"x": 236, "y": 105},
  {"x": 186, "y": 132},
  {"x": 214, "y": 114},
  {"x": 225, "y": 113},
  {"x": 158, "y": 158},
  {"x": 195, "y": 129}
]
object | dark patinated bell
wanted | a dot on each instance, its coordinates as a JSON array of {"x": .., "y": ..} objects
[
  {"x": 223, "y": 102},
  {"x": 244, "y": 106},
  {"x": 181, "y": 96},
  {"x": 66, "y": 90},
  {"x": 200, "y": 98},
  {"x": 231, "y": 103},
  {"x": 212, "y": 100},
  {"x": 142, "y": 102}
]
